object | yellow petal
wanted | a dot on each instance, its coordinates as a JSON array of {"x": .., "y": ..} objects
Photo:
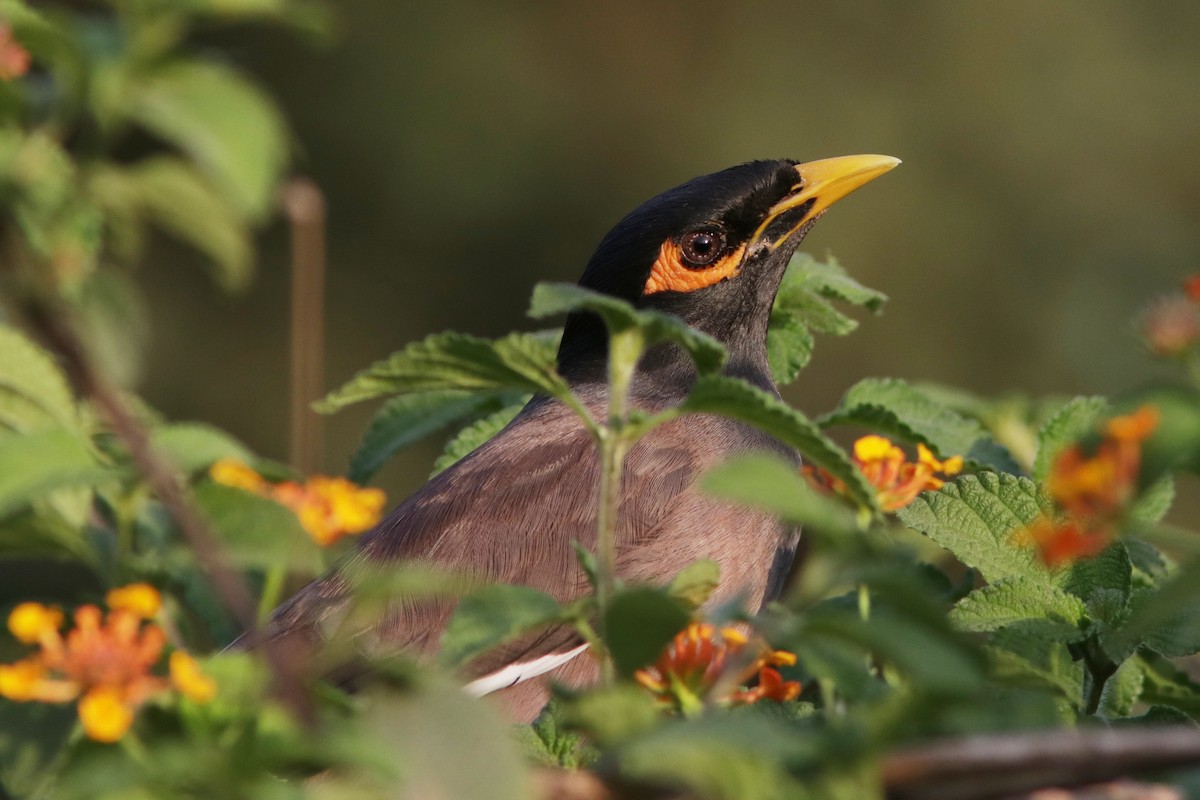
[
  {"x": 30, "y": 621},
  {"x": 104, "y": 714},
  {"x": 140, "y": 599},
  {"x": 189, "y": 680}
]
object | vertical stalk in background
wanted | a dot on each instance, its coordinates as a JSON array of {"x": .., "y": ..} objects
[{"x": 305, "y": 207}]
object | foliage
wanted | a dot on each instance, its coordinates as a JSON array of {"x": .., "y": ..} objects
[{"x": 1039, "y": 587}]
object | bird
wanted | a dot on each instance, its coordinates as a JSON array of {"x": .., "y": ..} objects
[{"x": 711, "y": 251}]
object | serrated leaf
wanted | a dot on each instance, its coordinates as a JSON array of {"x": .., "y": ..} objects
[
  {"x": 773, "y": 485},
  {"x": 34, "y": 464},
  {"x": 474, "y": 435},
  {"x": 1150, "y": 565},
  {"x": 180, "y": 200},
  {"x": 789, "y": 347},
  {"x": 1123, "y": 689},
  {"x": 1029, "y": 661},
  {"x": 492, "y": 616},
  {"x": 33, "y": 390},
  {"x": 1109, "y": 571},
  {"x": 1075, "y": 419},
  {"x": 549, "y": 743},
  {"x": 1029, "y": 606},
  {"x": 895, "y": 408},
  {"x": 226, "y": 124},
  {"x": 1165, "y": 683},
  {"x": 638, "y": 624},
  {"x": 257, "y": 533},
  {"x": 455, "y": 361},
  {"x": 1154, "y": 502},
  {"x": 551, "y": 299},
  {"x": 977, "y": 518},
  {"x": 193, "y": 446},
  {"x": 409, "y": 418},
  {"x": 830, "y": 279},
  {"x": 739, "y": 400},
  {"x": 1166, "y": 619},
  {"x": 695, "y": 583}
]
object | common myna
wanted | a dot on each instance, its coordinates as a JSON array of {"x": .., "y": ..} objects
[{"x": 711, "y": 251}]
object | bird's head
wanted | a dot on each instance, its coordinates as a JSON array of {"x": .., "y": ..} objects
[{"x": 713, "y": 251}]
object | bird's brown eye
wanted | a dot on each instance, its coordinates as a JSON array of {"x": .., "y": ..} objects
[{"x": 701, "y": 248}]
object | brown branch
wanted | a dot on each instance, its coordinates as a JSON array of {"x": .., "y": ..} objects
[
  {"x": 305, "y": 207},
  {"x": 55, "y": 327},
  {"x": 983, "y": 767}
]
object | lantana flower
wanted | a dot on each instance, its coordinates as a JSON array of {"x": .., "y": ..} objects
[
  {"x": 897, "y": 481},
  {"x": 1093, "y": 488},
  {"x": 702, "y": 658},
  {"x": 328, "y": 508},
  {"x": 105, "y": 662}
]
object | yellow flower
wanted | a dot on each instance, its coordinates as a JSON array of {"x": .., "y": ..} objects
[
  {"x": 139, "y": 599},
  {"x": 29, "y": 622},
  {"x": 897, "y": 480},
  {"x": 105, "y": 714},
  {"x": 238, "y": 474},
  {"x": 20, "y": 681},
  {"x": 189, "y": 680}
]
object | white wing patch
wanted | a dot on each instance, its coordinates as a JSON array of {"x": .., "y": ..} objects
[{"x": 519, "y": 672}]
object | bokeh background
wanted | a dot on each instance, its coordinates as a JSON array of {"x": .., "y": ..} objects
[{"x": 1050, "y": 186}]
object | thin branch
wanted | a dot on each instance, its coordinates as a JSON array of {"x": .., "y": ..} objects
[
  {"x": 305, "y": 207},
  {"x": 985, "y": 767},
  {"x": 164, "y": 480}
]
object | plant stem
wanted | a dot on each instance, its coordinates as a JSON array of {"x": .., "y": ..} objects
[{"x": 613, "y": 441}]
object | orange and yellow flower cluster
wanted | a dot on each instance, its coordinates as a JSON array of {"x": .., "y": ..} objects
[
  {"x": 328, "y": 508},
  {"x": 1094, "y": 489},
  {"x": 703, "y": 658},
  {"x": 105, "y": 661},
  {"x": 897, "y": 480}
]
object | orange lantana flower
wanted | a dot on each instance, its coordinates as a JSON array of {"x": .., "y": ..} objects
[
  {"x": 328, "y": 508},
  {"x": 1093, "y": 487},
  {"x": 105, "y": 662},
  {"x": 897, "y": 480},
  {"x": 702, "y": 657}
]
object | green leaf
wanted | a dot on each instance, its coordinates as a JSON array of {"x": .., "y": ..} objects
[
  {"x": 492, "y": 616},
  {"x": 1123, "y": 689},
  {"x": 115, "y": 323},
  {"x": 739, "y": 400},
  {"x": 36, "y": 463},
  {"x": 1164, "y": 683},
  {"x": 409, "y": 418},
  {"x": 802, "y": 306},
  {"x": 475, "y": 434},
  {"x": 1030, "y": 606},
  {"x": 257, "y": 533},
  {"x": 719, "y": 757},
  {"x": 612, "y": 714},
  {"x": 1154, "y": 502},
  {"x": 976, "y": 518},
  {"x": 454, "y": 361},
  {"x": 548, "y": 743},
  {"x": 771, "y": 484},
  {"x": 695, "y": 583},
  {"x": 789, "y": 346},
  {"x": 182, "y": 201},
  {"x": 1166, "y": 619},
  {"x": 638, "y": 624},
  {"x": 1030, "y": 661},
  {"x": 32, "y": 738},
  {"x": 1108, "y": 572},
  {"x": 1071, "y": 422},
  {"x": 895, "y": 408},
  {"x": 551, "y": 299},
  {"x": 193, "y": 446},
  {"x": 33, "y": 390},
  {"x": 227, "y": 125},
  {"x": 829, "y": 279}
]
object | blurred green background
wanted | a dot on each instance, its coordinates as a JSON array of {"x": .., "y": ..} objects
[{"x": 1051, "y": 183}]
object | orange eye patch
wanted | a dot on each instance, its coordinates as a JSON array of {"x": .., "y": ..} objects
[{"x": 670, "y": 274}]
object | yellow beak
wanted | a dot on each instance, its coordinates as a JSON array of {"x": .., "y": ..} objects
[{"x": 822, "y": 183}]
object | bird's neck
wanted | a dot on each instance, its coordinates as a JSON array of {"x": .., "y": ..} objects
[{"x": 666, "y": 369}]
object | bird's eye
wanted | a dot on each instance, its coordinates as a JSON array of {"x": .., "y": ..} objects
[{"x": 701, "y": 248}]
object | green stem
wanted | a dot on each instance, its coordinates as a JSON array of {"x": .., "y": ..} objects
[
  {"x": 613, "y": 441},
  {"x": 1098, "y": 668},
  {"x": 272, "y": 590}
]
